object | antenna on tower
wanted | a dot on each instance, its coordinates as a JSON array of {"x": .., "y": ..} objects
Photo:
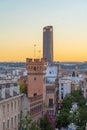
[
  {"x": 39, "y": 53},
  {"x": 34, "y": 50}
]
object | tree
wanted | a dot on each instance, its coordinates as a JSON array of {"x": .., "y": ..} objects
[
  {"x": 24, "y": 121},
  {"x": 67, "y": 102},
  {"x": 73, "y": 117},
  {"x": 78, "y": 117},
  {"x": 45, "y": 123},
  {"x": 62, "y": 119},
  {"x": 22, "y": 88},
  {"x": 82, "y": 117},
  {"x": 78, "y": 97},
  {"x": 33, "y": 127},
  {"x": 21, "y": 123},
  {"x": 27, "y": 121}
]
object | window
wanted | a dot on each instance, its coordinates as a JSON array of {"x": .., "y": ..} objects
[
  {"x": 7, "y": 123},
  {"x": 15, "y": 84},
  {"x": 41, "y": 68},
  {"x": 61, "y": 88},
  {"x": 51, "y": 112},
  {"x": 50, "y": 91},
  {"x": 34, "y": 68},
  {"x": 35, "y": 94},
  {"x": 37, "y": 67},
  {"x": 3, "y": 109},
  {"x": 18, "y": 103},
  {"x": 7, "y": 107},
  {"x": 50, "y": 102},
  {"x": 34, "y": 78},
  {"x": 3, "y": 125},
  {"x": 18, "y": 117},
  {"x": 61, "y": 84},
  {"x": 31, "y": 67},
  {"x": 25, "y": 81},
  {"x": 15, "y": 119},
  {"x": 15, "y": 104},
  {"x": 12, "y": 106},
  {"x": 12, "y": 122},
  {"x": 44, "y": 79},
  {"x": 61, "y": 95},
  {"x": 7, "y": 85}
]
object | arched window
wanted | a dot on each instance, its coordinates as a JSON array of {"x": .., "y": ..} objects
[{"x": 34, "y": 68}]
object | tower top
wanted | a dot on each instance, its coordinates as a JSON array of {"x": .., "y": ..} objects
[
  {"x": 37, "y": 61},
  {"x": 48, "y": 28},
  {"x": 36, "y": 66}
]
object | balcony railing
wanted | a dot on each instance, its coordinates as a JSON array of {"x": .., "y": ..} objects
[{"x": 36, "y": 98}]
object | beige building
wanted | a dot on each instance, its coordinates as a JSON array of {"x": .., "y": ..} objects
[
  {"x": 51, "y": 97},
  {"x": 84, "y": 88},
  {"x": 51, "y": 90},
  {"x": 10, "y": 105}
]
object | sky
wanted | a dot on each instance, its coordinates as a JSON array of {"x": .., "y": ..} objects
[{"x": 21, "y": 28}]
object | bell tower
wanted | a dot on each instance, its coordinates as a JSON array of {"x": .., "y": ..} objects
[{"x": 36, "y": 76}]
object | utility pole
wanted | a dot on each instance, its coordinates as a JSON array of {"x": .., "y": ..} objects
[{"x": 39, "y": 53}]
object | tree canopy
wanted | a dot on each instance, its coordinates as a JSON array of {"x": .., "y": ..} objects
[{"x": 78, "y": 117}]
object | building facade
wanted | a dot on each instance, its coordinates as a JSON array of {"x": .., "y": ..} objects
[
  {"x": 51, "y": 89},
  {"x": 10, "y": 105},
  {"x": 64, "y": 87},
  {"x": 48, "y": 43}
]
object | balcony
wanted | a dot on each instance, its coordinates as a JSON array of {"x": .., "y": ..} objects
[
  {"x": 36, "y": 98},
  {"x": 50, "y": 106}
]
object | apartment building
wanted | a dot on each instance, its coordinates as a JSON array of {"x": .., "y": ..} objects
[
  {"x": 51, "y": 83},
  {"x": 10, "y": 105}
]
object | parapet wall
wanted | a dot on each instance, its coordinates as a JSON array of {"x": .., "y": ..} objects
[{"x": 30, "y": 60}]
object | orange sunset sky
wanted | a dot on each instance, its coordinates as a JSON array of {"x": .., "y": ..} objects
[{"x": 22, "y": 22}]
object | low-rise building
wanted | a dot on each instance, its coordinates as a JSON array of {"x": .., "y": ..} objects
[{"x": 69, "y": 84}]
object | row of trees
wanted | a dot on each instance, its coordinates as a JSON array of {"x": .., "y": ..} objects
[
  {"x": 45, "y": 123},
  {"x": 78, "y": 117},
  {"x": 26, "y": 123}
]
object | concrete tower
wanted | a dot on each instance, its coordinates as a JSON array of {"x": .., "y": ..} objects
[{"x": 48, "y": 43}]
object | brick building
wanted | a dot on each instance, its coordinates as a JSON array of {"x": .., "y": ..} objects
[{"x": 36, "y": 86}]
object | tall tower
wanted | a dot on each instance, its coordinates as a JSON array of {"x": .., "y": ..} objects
[
  {"x": 48, "y": 43},
  {"x": 36, "y": 86},
  {"x": 36, "y": 73}
]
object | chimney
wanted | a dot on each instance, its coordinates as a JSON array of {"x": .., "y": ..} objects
[
  {"x": 3, "y": 92},
  {"x": 16, "y": 89},
  {"x": 11, "y": 90}
]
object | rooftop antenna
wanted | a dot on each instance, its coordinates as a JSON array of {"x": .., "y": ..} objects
[
  {"x": 39, "y": 53},
  {"x": 34, "y": 50}
]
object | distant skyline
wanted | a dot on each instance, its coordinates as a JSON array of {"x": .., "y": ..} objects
[{"x": 22, "y": 22}]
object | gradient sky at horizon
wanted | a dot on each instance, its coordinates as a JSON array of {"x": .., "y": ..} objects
[{"x": 22, "y": 21}]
